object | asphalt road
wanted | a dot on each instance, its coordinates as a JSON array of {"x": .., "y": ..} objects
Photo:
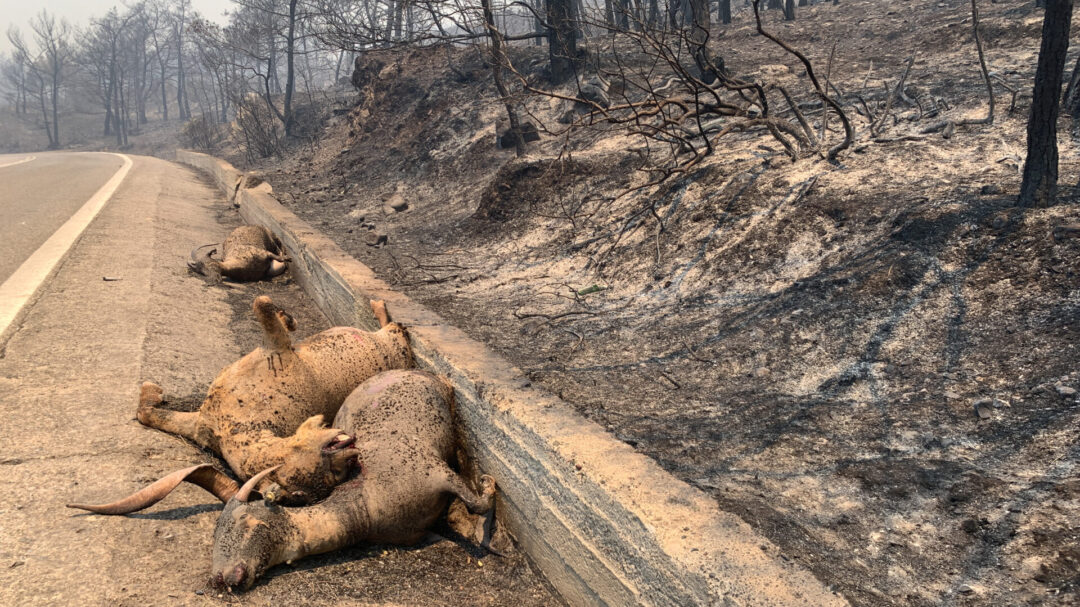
[{"x": 37, "y": 196}]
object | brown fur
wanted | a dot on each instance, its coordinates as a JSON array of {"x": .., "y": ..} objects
[
  {"x": 269, "y": 406},
  {"x": 248, "y": 253},
  {"x": 402, "y": 423}
]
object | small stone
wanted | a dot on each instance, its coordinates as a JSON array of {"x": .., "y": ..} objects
[
  {"x": 983, "y": 407},
  {"x": 593, "y": 91},
  {"x": 761, "y": 372},
  {"x": 395, "y": 204},
  {"x": 949, "y": 394},
  {"x": 199, "y": 592},
  {"x": 252, "y": 180},
  {"x": 1065, "y": 391},
  {"x": 990, "y": 189},
  {"x": 376, "y": 239},
  {"x": 965, "y": 589}
]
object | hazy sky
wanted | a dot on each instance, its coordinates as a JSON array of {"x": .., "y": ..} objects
[{"x": 78, "y": 12}]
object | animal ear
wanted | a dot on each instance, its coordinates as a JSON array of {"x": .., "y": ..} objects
[
  {"x": 244, "y": 494},
  {"x": 203, "y": 475},
  {"x": 312, "y": 423}
]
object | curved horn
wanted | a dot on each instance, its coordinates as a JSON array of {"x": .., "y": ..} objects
[
  {"x": 244, "y": 494},
  {"x": 203, "y": 475},
  {"x": 203, "y": 263},
  {"x": 203, "y": 247}
]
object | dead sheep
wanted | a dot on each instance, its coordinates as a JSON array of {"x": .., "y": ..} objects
[
  {"x": 401, "y": 484},
  {"x": 248, "y": 253},
  {"x": 269, "y": 407}
]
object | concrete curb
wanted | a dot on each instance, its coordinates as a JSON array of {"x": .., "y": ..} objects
[{"x": 605, "y": 524}]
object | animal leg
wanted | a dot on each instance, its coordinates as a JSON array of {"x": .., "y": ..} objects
[
  {"x": 185, "y": 424},
  {"x": 275, "y": 242},
  {"x": 235, "y": 270},
  {"x": 277, "y": 268},
  {"x": 477, "y": 504},
  {"x": 378, "y": 307},
  {"x": 275, "y": 263}
]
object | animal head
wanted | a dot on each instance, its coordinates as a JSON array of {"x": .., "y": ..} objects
[
  {"x": 317, "y": 459},
  {"x": 202, "y": 263},
  {"x": 248, "y": 538}
]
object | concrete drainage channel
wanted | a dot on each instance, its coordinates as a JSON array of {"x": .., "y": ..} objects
[{"x": 605, "y": 524}]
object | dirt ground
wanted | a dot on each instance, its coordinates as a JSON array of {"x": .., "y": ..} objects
[{"x": 874, "y": 363}]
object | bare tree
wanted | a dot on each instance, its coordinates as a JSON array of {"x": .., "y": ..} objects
[
  {"x": 158, "y": 20},
  {"x": 497, "y": 65},
  {"x": 48, "y": 63},
  {"x": 14, "y": 72},
  {"x": 179, "y": 20}
]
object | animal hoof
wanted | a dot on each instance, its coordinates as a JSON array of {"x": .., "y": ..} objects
[
  {"x": 487, "y": 487},
  {"x": 149, "y": 395}
]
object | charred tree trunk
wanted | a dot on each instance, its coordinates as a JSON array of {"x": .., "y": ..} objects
[
  {"x": 496, "y": 71},
  {"x": 164, "y": 95},
  {"x": 562, "y": 40},
  {"x": 183, "y": 107},
  {"x": 45, "y": 113},
  {"x": 622, "y": 14},
  {"x": 399, "y": 12},
  {"x": 56, "y": 103},
  {"x": 789, "y": 10},
  {"x": 725, "y": 11},
  {"x": 290, "y": 72},
  {"x": 109, "y": 107},
  {"x": 702, "y": 19},
  {"x": 1041, "y": 167},
  {"x": 538, "y": 24},
  {"x": 1072, "y": 94}
]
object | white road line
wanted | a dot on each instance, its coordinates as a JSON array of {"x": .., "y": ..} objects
[
  {"x": 19, "y": 161},
  {"x": 21, "y": 286}
]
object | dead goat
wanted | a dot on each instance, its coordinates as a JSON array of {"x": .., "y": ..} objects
[
  {"x": 248, "y": 253},
  {"x": 402, "y": 423},
  {"x": 269, "y": 407}
]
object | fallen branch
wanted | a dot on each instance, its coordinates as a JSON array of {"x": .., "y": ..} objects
[
  {"x": 550, "y": 317},
  {"x": 949, "y": 126},
  {"x": 849, "y": 132},
  {"x": 889, "y": 101},
  {"x": 694, "y": 355}
]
